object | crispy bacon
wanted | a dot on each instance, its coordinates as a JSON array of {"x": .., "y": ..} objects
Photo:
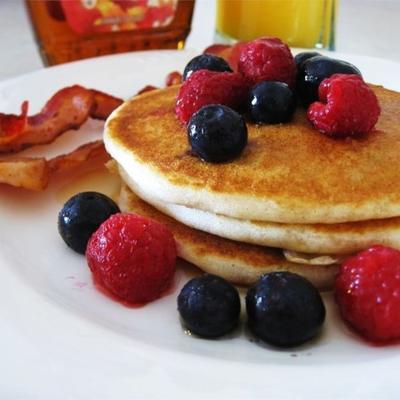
[
  {"x": 68, "y": 109},
  {"x": 173, "y": 78},
  {"x": 103, "y": 104},
  {"x": 11, "y": 125},
  {"x": 216, "y": 49},
  {"x": 78, "y": 156},
  {"x": 28, "y": 173},
  {"x": 35, "y": 173},
  {"x": 231, "y": 53}
]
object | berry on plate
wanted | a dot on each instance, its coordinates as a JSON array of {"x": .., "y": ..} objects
[
  {"x": 209, "y": 306},
  {"x": 271, "y": 103},
  {"x": 367, "y": 291},
  {"x": 132, "y": 257},
  {"x": 81, "y": 215},
  {"x": 205, "y": 61},
  {"x": 217, "y": 133},
  {"x": 313, "y": 71},
  {"x": 267, "y": 59},
  {"x": 347, "y": 107},
  {"x": 284, "y": 309},
  {"x": 305, "y": 55},
  {"x": 210, "y": 87}
]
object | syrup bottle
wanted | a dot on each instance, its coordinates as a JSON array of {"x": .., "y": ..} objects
[{"x": 68, "y": 30}]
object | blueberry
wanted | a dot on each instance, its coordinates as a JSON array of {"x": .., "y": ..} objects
[
  {"x": 305, "y": 55},
  {"x": 206, "y": 61},
  {"x": 209, "y": 306},
  {"x": 271, "y": 103},
  {"x": 80, "y": 217},
  {"x": 217, "y": 133},
  {"x": 284, "y": 309},
  {"x": 314, "y": 70}
]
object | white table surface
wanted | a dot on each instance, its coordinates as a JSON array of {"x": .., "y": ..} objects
[{"x": 368, "y": 27}]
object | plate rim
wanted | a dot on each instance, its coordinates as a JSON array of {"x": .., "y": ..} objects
[{"x": 92, "y": 325}]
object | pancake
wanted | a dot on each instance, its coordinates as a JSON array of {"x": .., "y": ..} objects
[
  {"x": 288, "y": 173},
  {"x": 239, "y": 263},
  {"x": 324, "y": 239}
]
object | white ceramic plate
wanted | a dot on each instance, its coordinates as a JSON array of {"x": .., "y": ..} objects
[{"x": 62, "y": 339}]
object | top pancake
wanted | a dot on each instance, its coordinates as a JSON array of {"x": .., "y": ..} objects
[{"x": 287, "y": 173}]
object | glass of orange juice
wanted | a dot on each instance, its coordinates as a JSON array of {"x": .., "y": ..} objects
[{"x": 300, "y": 23}]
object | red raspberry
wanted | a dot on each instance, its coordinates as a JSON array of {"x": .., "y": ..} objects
[
  {"x": 267, "y": 59},
  {"x": 132, "y": 257},
  {"x": 205, "y": 87},
  {"x": 368, "y": 293},
  {"x": 347, "y": 107}
]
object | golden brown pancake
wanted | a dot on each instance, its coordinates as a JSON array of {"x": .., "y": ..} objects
[
  {"x": 237, "y": 262},
  {"x": 326, "y": 239},
  {"x": 288, "y": 173}
]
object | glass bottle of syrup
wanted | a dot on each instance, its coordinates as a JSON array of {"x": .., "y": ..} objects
[{"x": 68, "y": 30}]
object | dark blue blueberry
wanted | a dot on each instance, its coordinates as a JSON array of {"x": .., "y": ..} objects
[
  {"x": 284, "y": 309},
  {"x": 314, "y": 70},
  {"x": 217, "y": 133},
  {"x": 81, "y": 216},
  {"x": 305, "y": 55},
  {"x": 271, "y": 103},
  {"x": 209, "y": 306},
  {"x": 206, "y": 61}
]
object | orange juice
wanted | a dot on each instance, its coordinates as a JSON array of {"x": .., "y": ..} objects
[{"x": 300, "y": 23}]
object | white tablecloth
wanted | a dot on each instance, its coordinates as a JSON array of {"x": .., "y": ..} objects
[{"x": 369, "y": 27}]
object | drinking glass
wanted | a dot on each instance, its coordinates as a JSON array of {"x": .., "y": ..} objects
[{"x": 299, "y": 23}]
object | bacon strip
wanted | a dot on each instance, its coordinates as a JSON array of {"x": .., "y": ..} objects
[
  {"x": 28, "y": 173},
  {"x": 103, "y": 104},
  {"x": 231, "y": 53},
  {"x": 173, "y": 78},
  {"x": 13, "y": 124},
  {"x": 78, "y": 156},
  {"x": 68, "y": 109},
  {"x": 35, "y": 173}
]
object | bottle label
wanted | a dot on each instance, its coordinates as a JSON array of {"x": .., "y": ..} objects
[{"x": 94, "y": 16}]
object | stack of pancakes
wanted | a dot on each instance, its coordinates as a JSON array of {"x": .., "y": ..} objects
[{"x": 294, "y": 200}]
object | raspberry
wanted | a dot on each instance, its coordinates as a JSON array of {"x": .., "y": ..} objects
[
  {"x": 205, "y": 87},
  {"x": 132, "y": 257},
  {"x": 267, "y": 59},
  {"x": 368, "y": 293},
  {"x": 347, "y": 107}
]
